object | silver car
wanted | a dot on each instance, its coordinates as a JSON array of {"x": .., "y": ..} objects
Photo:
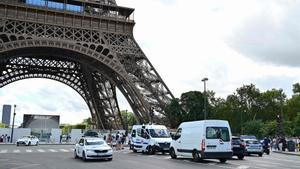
[
  {"x": 253, "y": 146},
  {"x": 93, "y": 148}
]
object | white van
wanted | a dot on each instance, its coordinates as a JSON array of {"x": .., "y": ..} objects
[
  {"x": 150, "y": 138},
  {"x": 206, "y": 139}
]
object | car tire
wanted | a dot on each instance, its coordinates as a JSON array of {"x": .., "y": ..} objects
[
  {"x": 196, "y": 156},
  {"x": 29, "y": 143},
  {"x": 172, "y": 153},
  {"x": 37, "y": 143},
  {"x": 17, "y": 144},
  {"x": 83, "y": 156},
  {"x": 151, "y": 150},
  {"x": 222, "y": 160},
  {"x": 75, "y": 154},
  {"x": 260, "y": 154},
  {"x": 241, "y": 157},
  {"x": 134, "y": 150}
]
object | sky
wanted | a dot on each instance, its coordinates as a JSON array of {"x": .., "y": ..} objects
[{"x": 231, "y": 42}]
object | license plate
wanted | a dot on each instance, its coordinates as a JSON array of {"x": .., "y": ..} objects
[{"x": 236, "y": 145}]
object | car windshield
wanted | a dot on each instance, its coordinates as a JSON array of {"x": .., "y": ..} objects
[
  {"x": 217, "y": 133},
  {"x": 236, "y": 141},
  {"x": 252, "y": 142},
  {"x": 159, "y": 133},
  {"x": 94, "y": 142}
]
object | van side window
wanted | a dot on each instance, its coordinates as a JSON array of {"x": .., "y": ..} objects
[
  {"x": 178, "y": 134},
  {"x": 139, "y": 132},
  {"x": 218, "y": 133}
]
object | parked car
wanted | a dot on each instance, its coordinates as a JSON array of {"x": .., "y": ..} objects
[
  {"x": 91, "y": 133},
  {"x": 238, "y": 147},
  {"x": 93, "y": 148},
  {"x": 206, "y": 139},
  {"x": 253, "y": 146},
  {"x": 28, "y": 140}
]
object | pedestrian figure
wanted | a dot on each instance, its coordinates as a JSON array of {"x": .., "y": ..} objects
[
  {"x": 8, "y": 139},
  {"x": 60, "y": 138}
]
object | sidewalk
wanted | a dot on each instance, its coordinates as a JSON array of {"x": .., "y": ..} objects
[{"x": 288, "y": 153}]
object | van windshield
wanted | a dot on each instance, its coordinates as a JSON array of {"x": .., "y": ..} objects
[
  {"x": 217, "y": 133},
  {"x": 159, "y": 133}
]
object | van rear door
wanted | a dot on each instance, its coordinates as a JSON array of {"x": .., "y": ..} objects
[{"x": 217, "y": 139}]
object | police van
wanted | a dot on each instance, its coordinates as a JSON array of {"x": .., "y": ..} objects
[
  {"x": 206, "y": 139},
  {"x": 150, "y": 138}
]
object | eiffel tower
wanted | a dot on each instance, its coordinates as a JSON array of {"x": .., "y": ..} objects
[{"x": 87, "y": 45}]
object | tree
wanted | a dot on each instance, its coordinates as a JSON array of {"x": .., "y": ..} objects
[
  {"x": 254, "y": 127},
  {"x": 192, "y": 103},
  {"x": 128, "y": 118},
  {"x": 297, "y": 125},
  {"x": 2, "y": 125},
  {"x": 174, "y": 113},
  {"x": 269, "y": 129},
  {"x": 296, "y": 89}
]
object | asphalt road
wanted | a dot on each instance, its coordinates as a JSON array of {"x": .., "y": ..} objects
[{"x": 61, "y": 157}]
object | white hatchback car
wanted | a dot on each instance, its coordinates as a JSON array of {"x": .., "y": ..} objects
[
  {"x": 93, "y": 148},
  {"x": 253, "y": 146},
  {"x": 28, "y": 140}
]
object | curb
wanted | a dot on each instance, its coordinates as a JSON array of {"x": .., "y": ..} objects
[{"x": 287, "y": 153}]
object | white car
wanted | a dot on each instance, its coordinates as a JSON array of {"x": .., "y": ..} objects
[
  {"x": 28, "y": 140},
  {"x": 93, "y": 148},
  {"x": 253, "y": 146}
]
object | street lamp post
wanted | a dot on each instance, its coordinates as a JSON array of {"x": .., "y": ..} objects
[
  {"x": 13, "y": 124},
  {"x": 204, "y": 81}
]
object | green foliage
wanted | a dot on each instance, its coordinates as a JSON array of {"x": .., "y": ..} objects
[
  {"x": 248, "y": 111},
  {"x": 2, "y": 125},
  {"x": 128, "y": 118},
  {"x": 269, "y": 128},
  {"x": 297, "y": 125},
  {"x": 254, "y": 127},
  {"x": 174, "y": 113}
]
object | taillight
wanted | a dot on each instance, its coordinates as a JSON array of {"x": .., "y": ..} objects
[{"x": 203, "y": 145}]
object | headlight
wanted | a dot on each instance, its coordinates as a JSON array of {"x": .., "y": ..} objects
[{"x": 110, "y": 150}]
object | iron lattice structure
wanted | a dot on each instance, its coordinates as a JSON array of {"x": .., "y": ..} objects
[{"x": 87, "y": 45}]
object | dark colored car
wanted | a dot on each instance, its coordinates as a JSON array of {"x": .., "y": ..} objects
[
  {"x": 90, "y": 133},
  {"x": 238, "y": 147}
]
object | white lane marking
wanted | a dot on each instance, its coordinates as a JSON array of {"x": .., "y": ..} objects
[
  {"x": 52, "y": 150},
  {"x": 28, "y": 151},
  {"x": 17, "y": 151},
  {"x": 63, "y": 150},
  {"x": 41, "y": 150},
  {"x": 3, "y": 151},
  {"x": 242, "y": 167}
]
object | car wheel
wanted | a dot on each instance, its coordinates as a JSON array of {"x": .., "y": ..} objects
[
  {"x": 172, "y": 153},
  {"x": 260, "y": 154},
  {"x": 134, "y": 150},
  {"x": 75, "y": 154},
  {"x": 17, "y": 144},
  {"x": 151, "y": 150},
  {"x": 240, "y": 157},
  {"x": 37, "y": 143},
  {"x": 83, "y": 156},
  {"x": 29, "y": 143},
  {"x": 196, "y": 156},
  {"x": 222, "y": 160}
]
